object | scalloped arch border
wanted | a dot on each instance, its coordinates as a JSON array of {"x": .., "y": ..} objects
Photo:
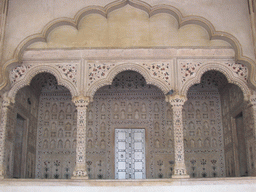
[
  {"x": 216, "y": 67},
  {"x": 37, "y": 70},
  {"x": 126, "y": 67},
  {"x": 151, "y": 10}
]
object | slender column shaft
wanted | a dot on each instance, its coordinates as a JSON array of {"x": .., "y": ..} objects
[
  {"x": 177, "y": 103},
  {"x": 80, "y": 171},
  {"x": 6, "y": 103}
]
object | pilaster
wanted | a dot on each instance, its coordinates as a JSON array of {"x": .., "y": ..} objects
[{"x": 6, "y": 105}]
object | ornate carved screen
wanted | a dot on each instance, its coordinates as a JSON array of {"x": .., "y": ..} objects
[{"x": 130, "y": 154}]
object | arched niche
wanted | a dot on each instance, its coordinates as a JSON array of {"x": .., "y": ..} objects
[
  {"x": 130, "y": 103},
  {"x": 219, "y": 117},
  {"x": 229, "y": 75},
  {"x": 36, "y": 127}
]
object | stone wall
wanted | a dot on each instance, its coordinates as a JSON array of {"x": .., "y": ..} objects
[
  {"x": 39, "y": 14},
  {"x": 232, "y": 101},
  {"x": 203, "y": 135},
  {"x": 56, "y": 146},
  {"x": 25, "y": 109}
]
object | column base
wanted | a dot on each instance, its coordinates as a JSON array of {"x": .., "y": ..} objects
[
  {"x": 80, "y": 177},
  {"x": 181, "y": 176}
]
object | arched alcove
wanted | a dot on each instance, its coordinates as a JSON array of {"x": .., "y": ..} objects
[
  {"x": 132, "y": 114},
  {"x": 216, "y": 110},
  {"x": 37, "y": 144}
]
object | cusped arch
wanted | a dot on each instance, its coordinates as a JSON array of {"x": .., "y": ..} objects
[
  {"x": 216, "y": 67},
  {"x": 126, "y": 67},
  {"x": 151, "y": 10},
  {"x": 37, "y": 70}
]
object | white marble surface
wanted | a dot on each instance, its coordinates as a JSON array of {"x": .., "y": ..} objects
[{"x": 246, "y": 184}]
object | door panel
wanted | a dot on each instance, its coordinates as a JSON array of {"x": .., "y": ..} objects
[{"x": 130, "y": 154}]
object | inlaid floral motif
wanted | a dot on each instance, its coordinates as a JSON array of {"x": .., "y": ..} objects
[
  {"x": 69, "y": 70},
  {"x": 18, "y": 73},
  {"x": 159, "y": 70}
]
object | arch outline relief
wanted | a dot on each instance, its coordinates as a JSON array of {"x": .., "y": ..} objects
[
  {"x": 151, "y": 10},
  {"x": 126, "y": 67},
  {"x": 216, "y": 67}
]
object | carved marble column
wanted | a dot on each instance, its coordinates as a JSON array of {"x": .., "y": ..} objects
[
  {"x": 177, "y": 102},
  {"x": 6, "y": 104},
  {"x": 80, "y": 171}
]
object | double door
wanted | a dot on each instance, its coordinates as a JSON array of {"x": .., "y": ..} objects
[{"x": 130, "y": 154}]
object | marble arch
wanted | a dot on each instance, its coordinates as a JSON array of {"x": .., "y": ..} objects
[
  {"x": 216, "y": 67},
  {"x": 70, "y": 134},
  {"x": 150, "y": 10},
  {"x": 125, "y": 67},
  {"x": 37, "y": 70}
]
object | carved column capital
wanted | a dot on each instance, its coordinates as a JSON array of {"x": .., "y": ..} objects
[
  {"x": 176, "y": 100},
  {"x": 81, "y": 101}
]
